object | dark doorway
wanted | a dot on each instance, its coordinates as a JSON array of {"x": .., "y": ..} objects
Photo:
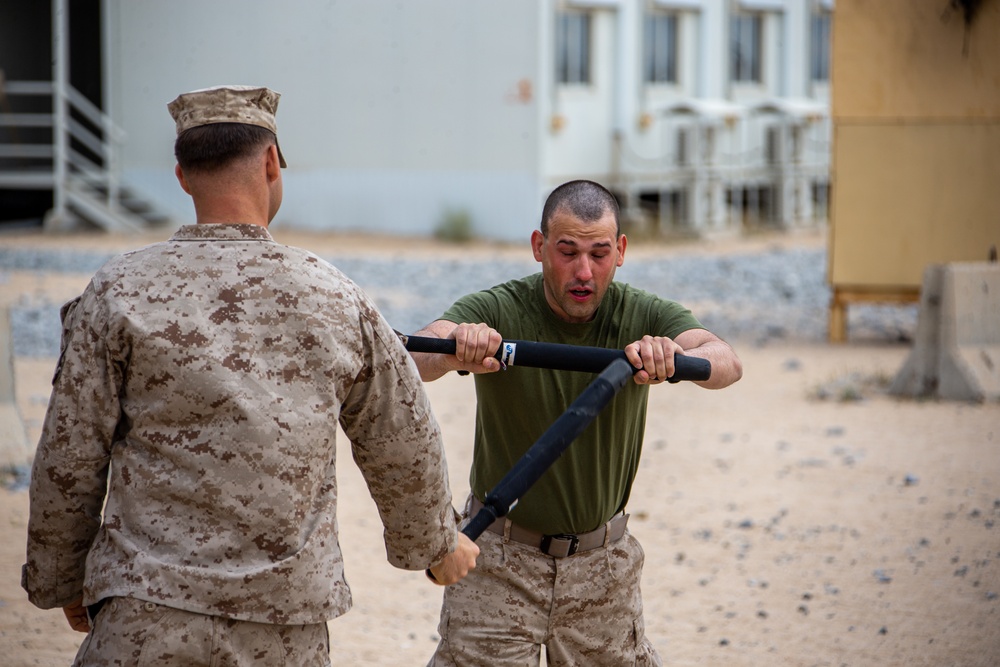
[
  {"x": 26, "y": 54},
  {"x": 85, "y": 61}
]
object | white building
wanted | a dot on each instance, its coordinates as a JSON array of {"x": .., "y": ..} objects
[{"x": 705, "y": 116}]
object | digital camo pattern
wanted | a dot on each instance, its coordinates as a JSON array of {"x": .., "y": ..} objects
[
  {"x": 133, "y": 632},
  {"x": 210, "y": 373},
  {"x": 586, "y": 609},
  {"x": 252, "y": 105}
]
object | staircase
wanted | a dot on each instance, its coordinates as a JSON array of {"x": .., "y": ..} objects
[{"x": 53, "y": 138}]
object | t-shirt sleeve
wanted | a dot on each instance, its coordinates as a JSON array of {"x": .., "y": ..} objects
[
  {"x": 474, "y": 308},
  {"x": 671, "y": 318}
]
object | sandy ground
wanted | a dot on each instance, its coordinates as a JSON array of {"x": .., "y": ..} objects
[{"x": 783, "y": 523}]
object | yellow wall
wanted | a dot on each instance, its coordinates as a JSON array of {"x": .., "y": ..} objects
[{"x": 916, "y": 164}]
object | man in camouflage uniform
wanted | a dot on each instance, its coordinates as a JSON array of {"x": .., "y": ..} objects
[
  {"x": 561, "y": 570},
  {"x": 198, "y": 393}
]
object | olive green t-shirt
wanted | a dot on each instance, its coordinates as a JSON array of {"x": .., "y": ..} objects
[{"x": 591, "y": 481}]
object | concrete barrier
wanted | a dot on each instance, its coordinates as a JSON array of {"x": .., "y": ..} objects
[
  {"x": 956, "y": 353},
  {"x": 14, "y": 449}
]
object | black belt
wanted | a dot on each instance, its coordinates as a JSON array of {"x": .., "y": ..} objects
[{"x": 561, "y": 545}]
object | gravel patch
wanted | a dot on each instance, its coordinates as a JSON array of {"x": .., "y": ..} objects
[{"x": 779, "y": 295}]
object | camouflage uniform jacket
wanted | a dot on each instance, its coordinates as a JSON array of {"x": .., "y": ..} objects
[{"x": 199, "y": 389}]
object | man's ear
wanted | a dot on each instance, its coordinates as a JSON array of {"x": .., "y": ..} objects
[
  {"x": 537, "y": 239},
  {"x": 180, "y": 179},
  {"x": 622, "y": 243},
  {"x": 273, "y": 164}
]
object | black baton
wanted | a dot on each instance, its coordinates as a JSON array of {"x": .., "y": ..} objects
[
  {"x": 559, "y": 357},
  {"x": 550, "y": 446}
]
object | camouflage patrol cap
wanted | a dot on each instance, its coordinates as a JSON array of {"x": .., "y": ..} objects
[{"x": 252, "y": 105}]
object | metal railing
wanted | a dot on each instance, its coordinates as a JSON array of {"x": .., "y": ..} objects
[
  {"x": 81, "y": 152},
  {"x": 711, "y": 174}
]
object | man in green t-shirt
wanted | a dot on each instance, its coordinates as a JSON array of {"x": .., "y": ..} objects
[{"x": 561, "y": 570}]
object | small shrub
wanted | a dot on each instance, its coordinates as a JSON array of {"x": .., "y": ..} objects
[{"x": 455, "y": 227}]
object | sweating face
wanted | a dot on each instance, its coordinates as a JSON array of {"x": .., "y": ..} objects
[{"x": 578, "y": 259}]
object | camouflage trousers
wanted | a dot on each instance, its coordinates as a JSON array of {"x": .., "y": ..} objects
[
  {"x": 130, "y": 632},
  {"x": 585, "y": 609}
]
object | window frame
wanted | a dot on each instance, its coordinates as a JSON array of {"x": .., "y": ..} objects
[
  {"x": 574, "y": 47},
  {"x": 653, "y": 64},
  {"x": 743, "y": 24},
  {"x": 820, "y": 24}
]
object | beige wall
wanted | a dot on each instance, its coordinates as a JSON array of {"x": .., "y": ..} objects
[{"x": 916, "y": 165}]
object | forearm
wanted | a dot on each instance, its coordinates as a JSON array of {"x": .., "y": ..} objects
[
  {"x": 433, "y": 366},
  {"x": 475, "y": 347},
  {"x": 726, "y": 365}
]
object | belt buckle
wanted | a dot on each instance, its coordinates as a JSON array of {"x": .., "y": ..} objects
[{"x": 574, "y": 544}]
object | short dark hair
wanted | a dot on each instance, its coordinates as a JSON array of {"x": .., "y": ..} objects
[
  {"x": 216, "y": 146},
  {"x": 586, "y": 200}
]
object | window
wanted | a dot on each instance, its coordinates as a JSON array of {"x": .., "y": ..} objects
[
  {"x": 573, "y": 47},
  {"x": 683, "y": 147},
  {"x": 745, "y": 40},
  {"x": 773, "y": 146},
  {"x": 660, "y": 48},
  {"x": 819, "y": 47}
]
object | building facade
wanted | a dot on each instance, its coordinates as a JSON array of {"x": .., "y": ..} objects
[
  {"x": 708, "y": 115},
  {"x": 703, "y": 116}
]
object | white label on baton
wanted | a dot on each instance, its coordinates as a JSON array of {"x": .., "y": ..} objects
[{"x": 507, "y": 358}]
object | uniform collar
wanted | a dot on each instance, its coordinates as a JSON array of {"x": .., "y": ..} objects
[{"x": 236, "y": 232}]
